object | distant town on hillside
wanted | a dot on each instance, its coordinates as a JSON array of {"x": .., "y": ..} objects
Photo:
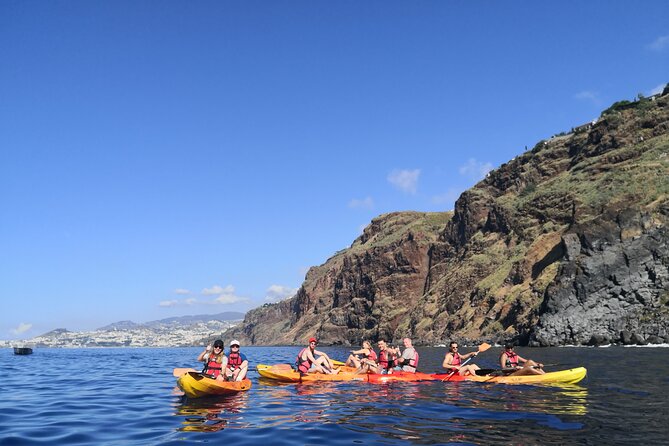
[{"x": 181, "y": 331}]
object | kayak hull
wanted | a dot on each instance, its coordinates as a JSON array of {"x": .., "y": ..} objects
[
  {"x": 284, "y": 373},
  {"x": 570, "y": 376},
  {"x": 195, "y": 385},
  {"x": 410, "y": 377}
]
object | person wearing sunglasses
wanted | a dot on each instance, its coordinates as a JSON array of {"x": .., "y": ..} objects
[
  {"x": 214, "y": 360},
  {"x": 237, "y": 365},
  {"x": 454, "y": 361}
]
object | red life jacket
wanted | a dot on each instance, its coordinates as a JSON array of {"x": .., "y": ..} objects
[
  {"x": 212, "y": 367},
  {"x": 414, "y": 360},
  {"x": 456, "y": 359},
  {"x": 372, "y": 355},
  {"x": 303, "y": 365},
  {"x": 511, "y": 359},
  {"x": 385, "y": 360},
  {"x": 234, "y": 360}
]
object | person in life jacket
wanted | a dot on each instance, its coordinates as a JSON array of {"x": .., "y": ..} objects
[
  {"x": 386, "y": 360},
  {"x": 453, "y": 361},
  {"x": 510, "y": 362},
  {"x": 408, "y": 361},
  {"x": 237, "y": 365},
  {"x": 307, "y": 361},
  {"x": 366, "y": 355},
  {"x": 214, "y": 360}
]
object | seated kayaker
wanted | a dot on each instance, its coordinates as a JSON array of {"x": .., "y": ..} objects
[
  {"x": 453, "y": 361},
  {"x": 214, "y": 360},
  {"x": 510, "y": 362},
  {"x": 237, "y": 365},
  {"x": 408, "y": 361},
  {"x": 366, "y": 356},
  {"x": 308, "y": 363},
  {"x": 386, "y": 360}
]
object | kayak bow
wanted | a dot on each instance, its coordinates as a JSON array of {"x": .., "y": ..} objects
[
  {"x": 195, "y": 385},
  {"x": 284, "y": 373}
]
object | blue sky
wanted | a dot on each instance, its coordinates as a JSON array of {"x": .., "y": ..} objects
[{"x": 163, "y": 158}]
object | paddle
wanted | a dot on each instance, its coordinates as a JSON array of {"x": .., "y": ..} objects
[
  {"x": 182, "y": 371},
  {"x": 483, "y": 347}
]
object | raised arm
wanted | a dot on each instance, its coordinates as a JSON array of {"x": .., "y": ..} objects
[
  {"x": 470, "y": 354},
  {"x": 205, "y": 352}
]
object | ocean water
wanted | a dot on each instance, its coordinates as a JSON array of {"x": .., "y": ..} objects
[{"x": 128, "y": 397}]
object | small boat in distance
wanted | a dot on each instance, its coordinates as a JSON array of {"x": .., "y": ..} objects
[{"x": 23, "y": 351}]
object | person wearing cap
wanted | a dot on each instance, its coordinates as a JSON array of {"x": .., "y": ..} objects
[
  {"x": 308, "y": 363},
  {"x": 214, "y": 360},
  {"x": 510, "y": 362},
  {"x": 237, "y": 365}
]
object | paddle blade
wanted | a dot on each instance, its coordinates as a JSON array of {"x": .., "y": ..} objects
[
  {"x": 483, "y": 347},
  {"x": 182, "y": 371}
]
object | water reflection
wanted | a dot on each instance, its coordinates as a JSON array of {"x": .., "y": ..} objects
[
  {"x": 569, "y": 399},
  {"x": 420, "y": 412},
  {"x": 212, "y": 414}
]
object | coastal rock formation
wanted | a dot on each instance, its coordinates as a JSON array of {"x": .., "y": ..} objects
[
  {"x": 566, "y": 244},
  {"x": 613, "y": 285}
]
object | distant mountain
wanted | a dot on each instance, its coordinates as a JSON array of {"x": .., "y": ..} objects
[
  {"x": 188, "y": 320},
  {"x": 56, "y": 332},
  {"x": 122, "y": 325},
  {"x": 180, "y": 320}
]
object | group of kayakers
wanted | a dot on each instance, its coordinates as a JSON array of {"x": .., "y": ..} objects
[
  {"x": 234, "y": 365},
  {"x": 390, "y": 359},
  {"x": 511, "y": 363}
]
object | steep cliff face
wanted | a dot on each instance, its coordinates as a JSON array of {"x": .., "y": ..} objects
[
  {"x": 566, "y": 244},
  {"x": 363, "y": 292}
]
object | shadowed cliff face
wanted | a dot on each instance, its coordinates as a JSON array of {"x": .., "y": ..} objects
[
  {"x": 566, "y": 244},
  {"x": 363, "y": 292}
]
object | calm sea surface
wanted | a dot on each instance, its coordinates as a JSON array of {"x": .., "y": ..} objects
[{"x": 127, "y": 397}]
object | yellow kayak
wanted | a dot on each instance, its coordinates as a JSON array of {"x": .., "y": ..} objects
[
  {"x": 570, "y": 376},
  {"x": 285, "y": 373},
  {"x": 195, "y": 385}
]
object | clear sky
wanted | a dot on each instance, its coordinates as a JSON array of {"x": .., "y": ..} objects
[{"x": 165, "y": 158}]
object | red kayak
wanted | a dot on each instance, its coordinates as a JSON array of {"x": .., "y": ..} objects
[{"x": 407, "y": 376}]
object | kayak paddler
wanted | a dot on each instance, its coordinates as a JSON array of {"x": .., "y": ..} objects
[
  {"x": 214, "y": 360},
  {"x": 453, "y": 361},
  {"x": 408, "y": 361},
  {"x": 237, "y": 365},
  {"x": 307, "y": 361},
  {"x": 510, "y": 362}
]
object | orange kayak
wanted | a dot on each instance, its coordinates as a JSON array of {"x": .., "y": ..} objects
[{"x": 285, "y": 373}]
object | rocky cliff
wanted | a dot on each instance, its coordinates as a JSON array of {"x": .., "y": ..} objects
[{"x": 566, "y": 244}]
